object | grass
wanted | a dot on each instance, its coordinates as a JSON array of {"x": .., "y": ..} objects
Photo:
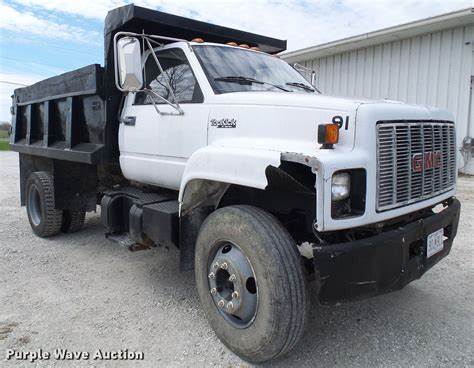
[
  {"x": 4, "y": 141},
  {"x": 4, "y": 145}
]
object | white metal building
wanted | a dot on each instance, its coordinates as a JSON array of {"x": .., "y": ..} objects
[{"x": 428, "y": 62}]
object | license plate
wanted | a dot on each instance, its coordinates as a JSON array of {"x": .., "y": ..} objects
[{"x": 434, "y": 243}]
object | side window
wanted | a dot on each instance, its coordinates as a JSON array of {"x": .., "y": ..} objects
[{"x": 177, "y": 72}]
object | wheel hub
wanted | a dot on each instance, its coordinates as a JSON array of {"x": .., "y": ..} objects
[
  {"x": 34, "y": 205},
  {"x": 232, "y": 285}
]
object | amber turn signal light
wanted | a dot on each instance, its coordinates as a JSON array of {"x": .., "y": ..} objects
[{"x": 328, "y": 134}]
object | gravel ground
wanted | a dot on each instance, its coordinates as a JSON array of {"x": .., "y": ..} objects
[{"x": 82, "y": 292}]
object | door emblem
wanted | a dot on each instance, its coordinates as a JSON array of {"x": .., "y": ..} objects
[{"x": 224, "y": 123}]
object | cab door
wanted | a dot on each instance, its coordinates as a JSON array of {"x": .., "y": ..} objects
[{"x": 155, "y": 146}]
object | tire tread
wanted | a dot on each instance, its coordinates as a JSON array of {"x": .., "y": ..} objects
[
  {"x": 291, "y": 261},
  {"x": 73, "y": 221},
  {"x": 53, "y": 217}
]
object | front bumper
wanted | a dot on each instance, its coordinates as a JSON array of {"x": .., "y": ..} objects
[{"x": 382, "y": 263}]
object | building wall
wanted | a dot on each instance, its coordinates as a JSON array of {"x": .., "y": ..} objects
[{"x": 433, "y": 69}]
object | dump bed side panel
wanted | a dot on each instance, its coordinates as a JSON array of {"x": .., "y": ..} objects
[{"x": 64, "y": 118}]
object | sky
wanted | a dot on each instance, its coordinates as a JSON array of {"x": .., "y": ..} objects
[{"x": 42, "y": 38}]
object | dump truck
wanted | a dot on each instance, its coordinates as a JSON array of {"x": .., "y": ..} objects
[{"x": 199, "y": 136}]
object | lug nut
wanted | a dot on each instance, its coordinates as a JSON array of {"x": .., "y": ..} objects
[
  {"x": 216, "y": 265},
  {"x": 230, "y": 306},
  {"x": 211, "y": 276},
  {"x": 213, "y": 291},
  {"x": 232, "y": 278},
  {"x": 224, "y": 266},
  {"x": 221, "y": 303},
  {"x": 235, "y": 295}
]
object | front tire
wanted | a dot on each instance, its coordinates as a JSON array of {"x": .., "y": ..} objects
[
  {"x": 235, "y": 244},
  {"x": 45, "y": 220}
]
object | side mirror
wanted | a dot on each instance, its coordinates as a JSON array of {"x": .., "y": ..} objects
[{"x": 129, "y": 63}]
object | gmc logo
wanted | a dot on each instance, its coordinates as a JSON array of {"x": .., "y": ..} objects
[{"x": 429, "y": 160}]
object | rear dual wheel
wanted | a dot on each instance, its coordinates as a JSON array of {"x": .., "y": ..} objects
[
  {"x": 45, "y": 220},
  {"x": 72, "y": 221},
  {"x": 251, "y": 282}
]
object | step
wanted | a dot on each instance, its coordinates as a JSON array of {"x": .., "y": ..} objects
[
  {"x": 125, "y": 241},
  {"x": 161, "y": 223}
]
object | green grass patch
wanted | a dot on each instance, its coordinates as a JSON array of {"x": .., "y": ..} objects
[
  {"x": 4, "y": 134},
  {"x": 4, "y": 145}
]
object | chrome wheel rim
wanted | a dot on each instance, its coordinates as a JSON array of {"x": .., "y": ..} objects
[{"x": 232, "y": 285}]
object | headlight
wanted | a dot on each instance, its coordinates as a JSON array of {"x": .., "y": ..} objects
[{"x": 341, "y": 186}]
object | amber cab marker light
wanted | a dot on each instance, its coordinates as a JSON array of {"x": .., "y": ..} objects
[
  {"x": 328, "y": 135},
  {"x": 232, "y": 43},
  {"x": 197, "y": 40}
]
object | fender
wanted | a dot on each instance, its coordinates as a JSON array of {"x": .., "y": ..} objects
[{"x": 210, "y": 170}]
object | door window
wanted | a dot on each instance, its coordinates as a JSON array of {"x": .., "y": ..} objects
[{"x": 178, "y": 73}]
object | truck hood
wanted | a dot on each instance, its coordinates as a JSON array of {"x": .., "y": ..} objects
[
  {"x": 326, "y": 102},
  {"x": 290, "y": 99},
  {"x": 278, "y": 121},
  {"x": 288, "y": 122}
]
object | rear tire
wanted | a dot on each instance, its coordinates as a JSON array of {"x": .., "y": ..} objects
[
  {"x": 72, "y": 221},
  {"x": 281, "y": 309},
  {"x": 45, "y": 220}
]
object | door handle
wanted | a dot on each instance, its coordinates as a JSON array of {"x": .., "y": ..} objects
[{"x": 128, "y": 120}]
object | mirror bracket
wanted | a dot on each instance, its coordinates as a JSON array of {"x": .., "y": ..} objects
[
  {"x": 148, "y": 39},
  {"x": 302, "y": 69},
  {"x": 176, "y": 107}
]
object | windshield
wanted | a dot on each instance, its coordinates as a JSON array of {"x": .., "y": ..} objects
[{"x": 232, "y": 69}]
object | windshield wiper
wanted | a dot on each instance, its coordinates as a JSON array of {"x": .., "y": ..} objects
[
  {"x": 300, "y": 85},
  {"x": 247, "y": 80}
]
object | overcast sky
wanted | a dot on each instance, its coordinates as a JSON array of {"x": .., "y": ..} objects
[{"x": 42, "y": 38}]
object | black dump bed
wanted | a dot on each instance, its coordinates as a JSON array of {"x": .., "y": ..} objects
[
  {"x": 62, "y": 117},
  {"x": 74, "y": 116}
]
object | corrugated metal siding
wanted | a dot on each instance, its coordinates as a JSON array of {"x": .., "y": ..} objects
[{"x": 433, "y": 69}]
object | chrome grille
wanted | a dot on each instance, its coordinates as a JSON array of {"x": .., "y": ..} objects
[{"x": 415, "y": 161}]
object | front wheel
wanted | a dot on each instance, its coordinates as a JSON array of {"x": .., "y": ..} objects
[{"x": 251, "y": 282}]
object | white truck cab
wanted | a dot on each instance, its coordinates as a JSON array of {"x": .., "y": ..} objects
[
  {"x": 238, "y": 127},
  {"x": 270, "y": 190}
]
